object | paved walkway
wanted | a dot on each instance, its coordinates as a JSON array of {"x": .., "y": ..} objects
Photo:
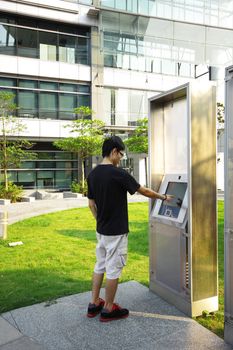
[
  {"x": 21, "y": 211},
  {"x": 153, "y": 324}
]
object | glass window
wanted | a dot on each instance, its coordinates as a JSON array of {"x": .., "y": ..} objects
[
  {"x": 43, "y": 174},
  {"x": 68, "y": 87},
  {"x": 12, "y": 176},
  {"x": 26, "y": 176},
  {"x": 27, "y": 101},
  {"x": 48, "y": 85},
  {"x": 45, "y": 179},
  {"x": 88, "y": 2},
  {"x": 64, "y": 165},
  {"x": 28, "y": 165},
  {"x": 67, "y": 103},
  {"x": 108, "y": 3},
  {"x": 74, "y": 30},
  {"x": 67, "y": 48},
  {"x": 144, "y": 7},
  {"x": 63, "y": 155},
  {"x": 121, "y": 4},
  {"x": 48, "y": 46},
  {"x": 30, "y": 84},
  {"x": 27, "y": 43},
  {"x": 7, "y": 82},
  {"x": 46, "y": 164},
  {"x": 45, "y": 155},
  {"x": 83, "y": 100},
  {"x": 82, "y": 51},
  {"x": 27, "y": 22},
  {"x": 84, "y": 88},
  {"x": 63, "y": 178},
  {"x": 48, "y": 105},
  {"x": 4, "y": 18},
  {"x": 7, "y": 40}
]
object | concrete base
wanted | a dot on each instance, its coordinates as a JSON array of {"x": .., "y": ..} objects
[
  {"x": 183, "y": 302},
  {"x": 5, "y": 201},
  {"x": 72, "y": 195},
  {"x": 28, "y": 199},
  {"x": 228, "y": 332}
]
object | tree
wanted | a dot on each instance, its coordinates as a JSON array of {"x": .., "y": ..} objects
[
  {"x": 89, "y": 137},
  {"x": 138, "y": 140},
  {"x": 12, "y": 148},
  {"x": 220, "y": 118}
]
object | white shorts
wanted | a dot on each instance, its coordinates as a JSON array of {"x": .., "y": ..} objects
[{"x": 111, "y": 254}]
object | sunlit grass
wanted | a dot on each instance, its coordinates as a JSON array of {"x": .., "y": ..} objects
[{"x": 58, "y": 256}]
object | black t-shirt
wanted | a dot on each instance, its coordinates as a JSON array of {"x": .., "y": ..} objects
[{"x": 108, "y": 186}]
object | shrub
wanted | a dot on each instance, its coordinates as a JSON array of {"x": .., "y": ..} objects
[
  {"x": 13, "y": 193},
  {"x": 77, "y": 187}
]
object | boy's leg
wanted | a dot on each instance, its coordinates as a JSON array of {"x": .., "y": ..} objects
[
  {"x": 110, "y": 292},
  {"x": 97, "y": 281}
]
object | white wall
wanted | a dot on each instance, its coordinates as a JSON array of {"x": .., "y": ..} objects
[
  {"x": 44, "y": 129},
  {"x": 38, "y": 68}
]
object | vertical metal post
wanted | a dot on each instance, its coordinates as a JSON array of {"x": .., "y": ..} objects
[
  {"x": 3, "y": 224},
  {"x": 228, "y": 220}
]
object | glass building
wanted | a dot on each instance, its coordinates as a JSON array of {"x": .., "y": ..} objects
[{"x": 111, "y": 55}]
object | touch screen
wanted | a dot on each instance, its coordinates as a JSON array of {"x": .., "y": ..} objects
[{"x": 172, "y": 208}]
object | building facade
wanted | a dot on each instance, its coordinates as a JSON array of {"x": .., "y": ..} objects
[{"x": 109, "y": 55}]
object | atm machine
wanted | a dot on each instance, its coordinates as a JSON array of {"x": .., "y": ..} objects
[
  {"x": 228, "y": 202},
  {"x": 182, "y": 163}
]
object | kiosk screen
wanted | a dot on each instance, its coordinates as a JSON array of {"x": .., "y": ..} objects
[{"x": 171, "y": 209}]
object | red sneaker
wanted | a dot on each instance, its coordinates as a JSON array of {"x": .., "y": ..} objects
[
  {"x": 94, "y": 309},
  {"x": 116, "y": 314}
]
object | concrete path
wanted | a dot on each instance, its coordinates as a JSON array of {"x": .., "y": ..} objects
[
  {"x": 153, "y": 324},
  {"x": 21, "y": 211}
]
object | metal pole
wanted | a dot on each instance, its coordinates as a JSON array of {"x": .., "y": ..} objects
[
  {"x": 228, "y": 220},
  {"x": 3, "y": 224}
]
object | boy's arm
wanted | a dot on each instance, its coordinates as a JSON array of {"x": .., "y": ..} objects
[
  {"x": 92, "y": 206},
  {"x": 147, "y": 192}
]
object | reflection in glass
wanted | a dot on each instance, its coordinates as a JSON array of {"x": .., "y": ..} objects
[
  {"x": 84, "y": 100},
  {"x": 27, "y": 43},
  {"x": 26, "y": 176},
  {"x": 67, "y": 48},
  {"x": 7, "y": 40},
  {"x": 67, "y": 103},
  {"x": 48, "y": 46},
  {"x": 27, "y": 104},
  {"x": 46, "y": 164},
  {"x": 82, "y": 52},
  {"x": 63, "y": 178},
  {"x": 48, "y": 105}
]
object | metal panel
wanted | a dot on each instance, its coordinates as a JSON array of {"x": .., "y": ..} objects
[
  {"x": 203, "y": 192},
  {"x": 183, "y": 261},
  {"x": 228, "y": 197},
  {"x": 175, "y": 134},
  {"x": 169, "y": 255}
]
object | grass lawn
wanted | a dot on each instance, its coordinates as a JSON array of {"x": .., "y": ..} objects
[{"x": 58, "y": 256}]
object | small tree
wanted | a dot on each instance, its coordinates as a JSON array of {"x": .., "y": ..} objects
[
  {"x": 220, "y": 117},
  {"x": 89, "y": 138},
  {"x": 138, "y": 140},
  {"x": 12, "y": 148}
]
